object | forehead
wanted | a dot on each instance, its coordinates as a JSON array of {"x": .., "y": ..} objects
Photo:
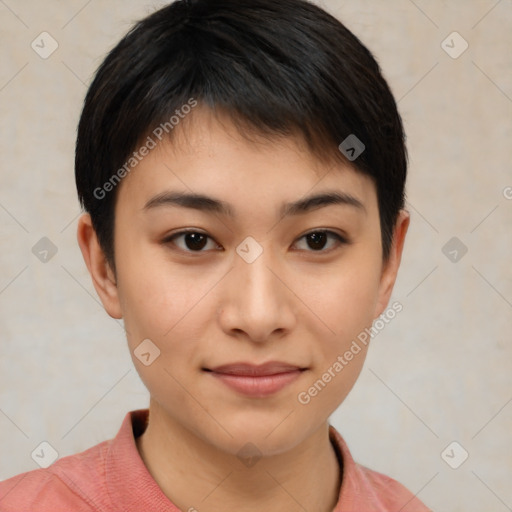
[{"x": 206, "y": 153}]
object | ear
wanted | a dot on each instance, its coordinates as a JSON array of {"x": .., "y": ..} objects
[
  {"x": 103, "y": 277},
  {"x": 390, "y": 268}
]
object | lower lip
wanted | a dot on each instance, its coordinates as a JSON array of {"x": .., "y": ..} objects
[{"x": 258, "y": 386}]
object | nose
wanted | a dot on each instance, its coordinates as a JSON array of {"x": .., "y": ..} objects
[{"x": 256, "y": 301}]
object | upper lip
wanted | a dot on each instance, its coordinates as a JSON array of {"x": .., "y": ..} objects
[{"x": 269, "y": 368}]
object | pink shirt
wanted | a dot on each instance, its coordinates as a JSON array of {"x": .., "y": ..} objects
[{"x": 111, "y": 477}]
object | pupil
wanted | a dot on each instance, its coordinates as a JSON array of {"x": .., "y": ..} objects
[
  {"x": 318, "y": 240},
  {"x": 195, "y": 241}
]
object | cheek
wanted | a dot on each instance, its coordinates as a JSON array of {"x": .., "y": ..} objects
[
  {"x": 356, "y": 296},
  {"x": 153, "y": 296},
  {"x": 160, "y": 309},
  {"x": 348, "y": 299},
  {"x": 164, "y": 305},
  {"x": 346, "y": 304},
  {"x": 345, "y": 300}
]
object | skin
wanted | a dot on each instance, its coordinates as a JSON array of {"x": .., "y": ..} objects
[{"x": 202, "y": 309}]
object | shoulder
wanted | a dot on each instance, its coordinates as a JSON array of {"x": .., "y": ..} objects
[
  {"x": 388, "y": 492},
  {"x": 73, "y": 483},
  {"x": 363, "y": 488}
]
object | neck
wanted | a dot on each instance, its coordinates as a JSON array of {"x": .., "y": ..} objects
[{"x": 196, "y": 475}]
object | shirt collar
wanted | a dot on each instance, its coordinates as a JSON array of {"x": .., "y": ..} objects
[
  {"x": 129, "y": 483},
  {"x": 131, "y": 486}
]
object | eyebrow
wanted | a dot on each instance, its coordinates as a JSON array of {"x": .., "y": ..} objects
[{"x": 209, "y": 204}]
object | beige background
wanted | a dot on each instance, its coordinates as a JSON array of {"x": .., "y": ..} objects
[{"x": 441, "y": 371}]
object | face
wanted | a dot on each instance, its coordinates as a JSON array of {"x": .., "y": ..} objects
[{"x": 253, "y": 282}]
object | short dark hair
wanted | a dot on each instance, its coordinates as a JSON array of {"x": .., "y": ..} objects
[{"x": 277, "y": 67}]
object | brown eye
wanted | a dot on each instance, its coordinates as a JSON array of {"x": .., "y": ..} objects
[
  {"x": 191, "y": 241},
  {"x": 317, "y": 240}
]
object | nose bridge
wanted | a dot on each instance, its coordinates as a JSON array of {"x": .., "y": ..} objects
[
  {"x": 258, "y": 282},
  {"x": 259, "y": 303}
]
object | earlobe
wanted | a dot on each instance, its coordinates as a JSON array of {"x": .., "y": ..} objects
[
  {"x": 390, "y": 269},
  {"x": 102, "y": 275}
]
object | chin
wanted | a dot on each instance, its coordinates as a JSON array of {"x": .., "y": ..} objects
[{"x": 266, "y": 436}]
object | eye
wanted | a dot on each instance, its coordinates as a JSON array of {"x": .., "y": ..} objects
[
  {"x": 317, "y": 240},
  {"x": 191, "y": 241},
  {"x": 196, "y": 241}
]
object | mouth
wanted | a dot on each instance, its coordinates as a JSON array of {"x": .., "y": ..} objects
[
  {"x": 256, "y": 380},
  {"x": 255, "y": 370}
]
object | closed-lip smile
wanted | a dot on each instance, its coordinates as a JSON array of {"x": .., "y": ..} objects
[
  {"x": 256, "y": 380},
  {"x": 253, "y": 370}
]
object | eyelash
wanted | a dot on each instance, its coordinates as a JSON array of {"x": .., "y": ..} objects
[{"x": 340, "y": 239}]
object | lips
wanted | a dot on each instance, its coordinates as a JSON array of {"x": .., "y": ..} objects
[
  {"x": 251, "y": 370},
  {"x": 257, "y": 381}
]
